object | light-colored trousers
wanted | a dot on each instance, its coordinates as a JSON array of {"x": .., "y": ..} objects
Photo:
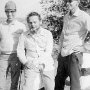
[
  {"x": 34, "y": 79},
  {"x": 3, "y": 69}
]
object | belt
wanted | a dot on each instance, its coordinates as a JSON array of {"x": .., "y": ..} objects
[
  {"x": 7, "y": 53},
  {"x": 85, "y": 71}
]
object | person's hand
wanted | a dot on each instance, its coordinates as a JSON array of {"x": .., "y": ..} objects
[
  {"x": 56, "y": 66},
  {"x": 30, "y": 65}
]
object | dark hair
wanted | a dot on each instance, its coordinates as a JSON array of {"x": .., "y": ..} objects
[
  {"x": 33, "y": 14},
  {"x": 72, "y": 0}
]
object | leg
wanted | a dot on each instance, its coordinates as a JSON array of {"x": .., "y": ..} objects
[
  {"x": 32, "y": 80},
  {"x": 15, "y": 72},
  {"x": 62, "y": 72},
  {"x": 75, "y": 71},
  {"x": 48, "y": 78},
  {"x": 3, "y": 68}
]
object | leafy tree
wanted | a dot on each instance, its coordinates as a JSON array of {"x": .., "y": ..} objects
[
  {"x": 53, "y": 12},
  {"x": 84, "y": 4}
]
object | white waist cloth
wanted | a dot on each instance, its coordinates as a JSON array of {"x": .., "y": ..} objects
[{"x": 85, "y": 80}]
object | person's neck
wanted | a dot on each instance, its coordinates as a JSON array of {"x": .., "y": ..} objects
[
  {"x": 73, "y": 12},
  {"x": 70, "y": 13},
  {"x": 37, "y": 32},
  {"x": 10, "y": 21}
]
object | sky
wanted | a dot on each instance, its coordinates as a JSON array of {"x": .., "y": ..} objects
[{"x": 23, "y": 7}]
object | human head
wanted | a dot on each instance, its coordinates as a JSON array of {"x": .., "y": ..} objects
[
  {"x": 34, "y": 21},
  {"x": 73, "y": 5},
  {"x": 10, "y": 10}
]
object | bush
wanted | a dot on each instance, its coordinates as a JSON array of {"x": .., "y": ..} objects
[{"x": 54, "y": 10}]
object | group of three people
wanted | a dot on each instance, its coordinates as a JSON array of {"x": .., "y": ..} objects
[{"x": 33, "y": 47}]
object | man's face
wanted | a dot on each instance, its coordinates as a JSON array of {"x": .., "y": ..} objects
[
  {"x": 10, "y": 15},
  {"x": 73, "y": 6},
  {"x": 34, "y": 24}
]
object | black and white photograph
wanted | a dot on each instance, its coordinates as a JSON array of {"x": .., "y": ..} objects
[{"x": 44, "y": 44}]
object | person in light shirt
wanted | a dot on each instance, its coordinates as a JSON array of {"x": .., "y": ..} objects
[
  {"x": 75, "y": 29},
  {"x": 9, "y": 36},
  {"x": 34, "y": 51}
]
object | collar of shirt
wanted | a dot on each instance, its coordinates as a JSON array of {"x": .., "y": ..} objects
[
  {"x": 40, "y": 32},
  {"x": 77, "y": 13},
  {"x": 12, "y": 23}
]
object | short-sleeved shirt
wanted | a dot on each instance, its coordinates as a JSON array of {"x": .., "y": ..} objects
[
  {"x": 9, "y": 36},
  {"x": 74, "y": 32}
]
